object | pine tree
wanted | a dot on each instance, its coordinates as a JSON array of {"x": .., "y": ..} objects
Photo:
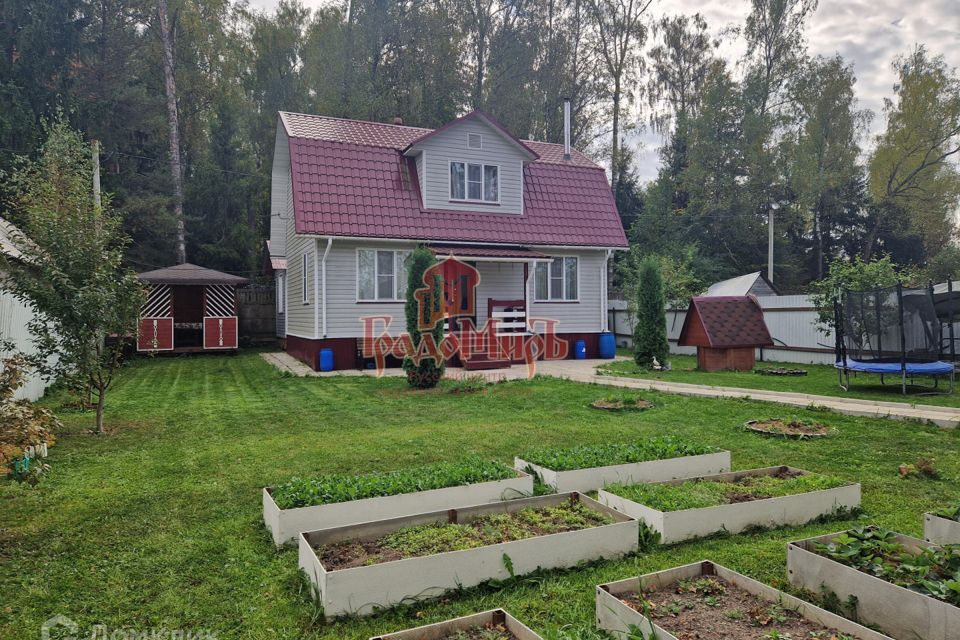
[
  {"x": 427, "y": 373},
  {"x": 650, "y": 330}
]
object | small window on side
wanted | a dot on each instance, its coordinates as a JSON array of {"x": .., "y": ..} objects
[{"x": 474, "y": 141}]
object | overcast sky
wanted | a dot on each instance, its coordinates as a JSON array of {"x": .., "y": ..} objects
[{"x": 867, "y": 33}]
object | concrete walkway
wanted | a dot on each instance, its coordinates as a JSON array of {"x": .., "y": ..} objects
[{"x": 585, "y": 371}]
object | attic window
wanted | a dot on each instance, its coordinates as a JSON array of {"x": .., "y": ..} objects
[
  {"x": 471, "y": 182},
  {"x": 474, "y": 141}
]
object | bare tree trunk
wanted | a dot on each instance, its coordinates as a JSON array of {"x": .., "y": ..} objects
[
  {"x": 614, "y": 153},
  {"x": 101, "y": 403},
  {"x": 173, "y": 120}
]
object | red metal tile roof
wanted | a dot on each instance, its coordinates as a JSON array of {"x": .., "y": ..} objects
[
  {"x": 351, "y": 179},
  {"x": 485, "y": 252},
  {"x": 728, "y": 321}
]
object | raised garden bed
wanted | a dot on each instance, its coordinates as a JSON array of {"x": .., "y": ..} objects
[
  {"x": 943, "y": 526},
  {"x": 588, "y": 468},
  {"x": 341, "y": 500},
  {"x": 690, "y": 508},
  {"x": 622, "y": 404},
  {"x": 361, "y": 568},
  {"x": 706, "y": 600},
  {"x": 887, "y": 577},
  {"x": 799, "y": 429},
  {"x": 780, "y": 371},
  {"x": 496, "y": 624}
]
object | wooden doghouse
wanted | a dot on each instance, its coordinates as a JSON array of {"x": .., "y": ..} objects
[
  {"x": 725, "y": 330},
  {"x": 188, "y": 309}
]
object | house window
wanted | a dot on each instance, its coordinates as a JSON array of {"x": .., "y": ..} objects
[
  {"x": 381, "y": 275},
  {"x": 474, "y": 182},
  {"x": 474, "y": 141},
  {"x": 280, "y": 292},
  {"x": 557, "y": 280},
  {"x": 305, "y": 263}
]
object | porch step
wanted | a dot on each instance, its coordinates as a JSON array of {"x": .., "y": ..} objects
[{"x": 480, "y": 361}]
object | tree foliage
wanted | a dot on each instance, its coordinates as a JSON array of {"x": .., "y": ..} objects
[
  {"x": 650, "y": 330},
  {"x": 426, "y": 373},
  {"x": 87, "y": 302}
]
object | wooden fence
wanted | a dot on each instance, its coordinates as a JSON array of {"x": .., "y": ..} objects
[{"x": 257, "y": 310}]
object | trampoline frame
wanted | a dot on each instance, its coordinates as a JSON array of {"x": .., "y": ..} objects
[{"x": 843, "y": 372}]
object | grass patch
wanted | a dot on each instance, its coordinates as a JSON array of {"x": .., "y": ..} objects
[
  {"x": 698, "y": 494},
  {"x": 820, "y": 380},
  {"x": 329, "y": 489},
  {"x": 587, "y": 456},
  {"x": 160, "y": 524},
  {"x": 950, "y": 513}
]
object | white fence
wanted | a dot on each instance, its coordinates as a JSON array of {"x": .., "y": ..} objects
[
  {"x": 14, "y": 316},
  {"x": 791, "y": 320}
]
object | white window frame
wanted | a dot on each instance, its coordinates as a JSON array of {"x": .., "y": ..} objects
[
  {"x": 483, "y": 176},
  {"x": 304, "y": 267},
  {"x": 547, "y": 264},
  {"x": 479, "y": 136},
  {"x": 398, "y": 296}
]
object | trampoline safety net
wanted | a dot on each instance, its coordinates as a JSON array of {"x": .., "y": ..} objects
[{"x": 891, "y": 325}]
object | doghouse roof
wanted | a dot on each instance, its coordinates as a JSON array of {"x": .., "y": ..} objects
[
  {"x": 724, "y": 322},
  {"x": 190, "y": 274}
]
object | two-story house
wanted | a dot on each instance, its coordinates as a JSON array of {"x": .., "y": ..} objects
[{"x": 351, "y": 199}]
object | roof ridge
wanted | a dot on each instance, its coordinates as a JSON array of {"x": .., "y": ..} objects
[{"x": 381, "y": 124}]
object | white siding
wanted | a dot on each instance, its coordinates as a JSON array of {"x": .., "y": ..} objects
[
  {"x": 575, "y": 317},
  {"x": 450, "y": 145},
  {"x": 14, "y": 316},
  {"x": 280, "y": 194},
  {"x": 498, "y": 280},
  {"x": 343, "y": 310}
]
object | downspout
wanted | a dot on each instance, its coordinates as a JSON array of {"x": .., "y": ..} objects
[
  {"x": 604, "y": 294},
  {"x": 323, "y": 278}
]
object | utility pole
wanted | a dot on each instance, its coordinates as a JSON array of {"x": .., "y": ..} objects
[{"x": 770, "y": 244}]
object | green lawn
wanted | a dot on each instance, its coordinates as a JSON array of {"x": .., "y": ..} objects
[
  {"x": 159, "y": 523},
  {"x": 820, "y": 380}
]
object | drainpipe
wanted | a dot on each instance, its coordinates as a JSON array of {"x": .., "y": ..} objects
[
  {"x": 604, "y": 295},
  {"x": 323, "y": 278}
]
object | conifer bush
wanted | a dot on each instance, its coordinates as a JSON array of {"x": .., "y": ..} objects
[
  {"x": 650, "y": 330},
  {"x": 426, "y": 373}
]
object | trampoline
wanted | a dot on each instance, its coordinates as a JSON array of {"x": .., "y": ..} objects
[{"x": 890, "y": 332}]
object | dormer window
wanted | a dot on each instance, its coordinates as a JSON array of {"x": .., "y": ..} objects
[{"x": 471, "y": 182}]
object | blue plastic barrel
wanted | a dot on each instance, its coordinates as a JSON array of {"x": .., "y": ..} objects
[
  {"x": 580, "y": 350},
  {"x": 326, "y": 359},
  {"x": 608, "y": 346}
]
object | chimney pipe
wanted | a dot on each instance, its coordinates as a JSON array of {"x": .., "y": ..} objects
[
  {"x": 397, "y": 120},
  {"x": 566, "y": 128}
]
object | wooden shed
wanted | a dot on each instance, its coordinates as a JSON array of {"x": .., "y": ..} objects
[
  {"x": 725, "y": 330},
  {"x": 189, "y": 309}
]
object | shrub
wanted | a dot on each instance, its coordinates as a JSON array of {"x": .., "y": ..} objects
[
  {"x": 650, "y": 330},
  {"x": 426, "y": 373},
  {"x": 329, "y": 489},
  {"x": 25, "y": 429}
]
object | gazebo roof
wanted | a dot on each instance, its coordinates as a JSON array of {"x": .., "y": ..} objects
[{"x": 190, "y": 274}]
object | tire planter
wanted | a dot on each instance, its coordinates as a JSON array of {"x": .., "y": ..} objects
[
  {"x": 898, "y": 611},
  {"x": 285, "y": 524},
  {"x": 617, "y": 617},
  {"x": 940, "y": 530},
  {"x": 444, "y": 629},
  {"x": 677, "y": 526},
  {"x": 363, "y": 590},
  {"x": 757, "y": 427},
  {"x": 594, "y": 478}
]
